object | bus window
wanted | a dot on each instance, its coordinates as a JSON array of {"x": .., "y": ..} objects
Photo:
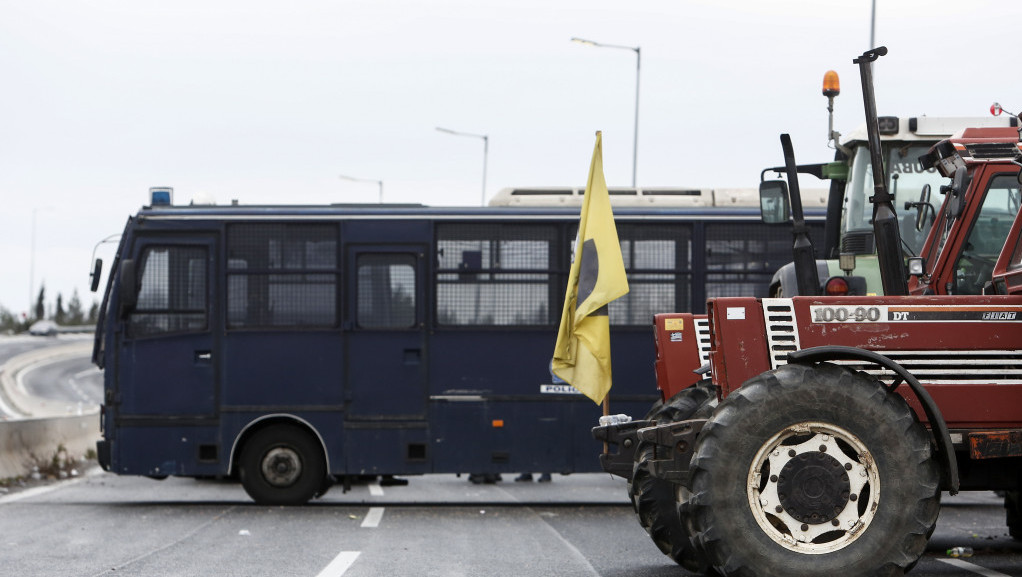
[
  {"x": 490, "y": 275},
  {"x": 741, "y": 260},
  {"x": 658, "y": 262},
  {"x": 386, "y": 291},
  {"x": 172, "y": 292},
  {"x": 281, "y": 275}
]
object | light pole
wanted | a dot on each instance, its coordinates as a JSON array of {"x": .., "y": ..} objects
[
  {"x": 638, "y": 66},
  {"x": 872, "y": 26},
  {"x": 353, "y": 179},
  {"x": 486, "y": 151}
]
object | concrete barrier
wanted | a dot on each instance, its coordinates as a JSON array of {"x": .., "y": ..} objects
[
  {"x": 42, "y": 426},
  {"x": 25, "y": 443}
]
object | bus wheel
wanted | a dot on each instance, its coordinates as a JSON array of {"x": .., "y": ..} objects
[
  {"x": 1013, "y": 508},
  {"x": 282, "y": 465},
  {"x": 654, "y": 499},
  {"x": 812, "y": 471}
]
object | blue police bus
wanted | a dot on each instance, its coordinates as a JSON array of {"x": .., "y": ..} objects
[{"x": 293, "y": 346}]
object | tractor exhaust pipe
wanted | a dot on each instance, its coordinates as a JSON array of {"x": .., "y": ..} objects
[
  {"x": 885, "y": 220},
  {"x": 804, "y": 257}
]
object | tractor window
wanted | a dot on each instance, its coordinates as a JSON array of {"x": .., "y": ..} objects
[
  {"x": 905, "y": 180},
  {"x": 987, "y": 235}
]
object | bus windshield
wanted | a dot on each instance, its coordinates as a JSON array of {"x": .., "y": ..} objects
[{"x": 905, "y": 181}]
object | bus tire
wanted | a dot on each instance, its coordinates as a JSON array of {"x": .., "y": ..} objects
[
  {"x": 282, "y": 465},
  {"x": 786, "y": 477},
  {"x": 1013, "y": 513},
  {"x": 654, "y": 499}
]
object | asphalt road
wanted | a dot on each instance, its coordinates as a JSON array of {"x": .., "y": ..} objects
[
  {"x": 438, "y": 525},
  {"x": 71, "y": 381},
  {"x": 11, "y": 346},
  {"x": 69, "y": 384}
]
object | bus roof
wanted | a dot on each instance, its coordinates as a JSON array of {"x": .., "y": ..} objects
[
  {"x": 645, "y": 197},
  {"x": 404, "y": 211}
]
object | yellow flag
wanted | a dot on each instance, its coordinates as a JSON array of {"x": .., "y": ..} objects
[{"x": 582, "y": 353}]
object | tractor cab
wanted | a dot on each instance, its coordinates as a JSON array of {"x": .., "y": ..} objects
[{"x": 978, "y": 215}]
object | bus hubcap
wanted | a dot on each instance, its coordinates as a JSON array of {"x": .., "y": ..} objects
[{"x": 281, "y": 467}]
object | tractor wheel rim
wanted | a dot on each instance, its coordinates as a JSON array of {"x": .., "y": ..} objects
[{"x": 814, "y": 488}]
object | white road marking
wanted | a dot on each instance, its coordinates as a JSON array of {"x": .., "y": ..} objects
[
  {"x": 375, "y": 490},
  {"x": 341, "y": 563},
  {"x": 36, "y": 491},
  {"x": 27, "y": 493},
  {"x": 973, "y": 568},
  {"x": 373, "y": 518}
]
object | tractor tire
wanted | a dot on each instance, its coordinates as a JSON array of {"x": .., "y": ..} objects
[
  {"x": 283, "y": 465},
  {"x": 813, "y": 470},
  {"x": 654, "y": 499},
  {"x": 1013, "y": 513}
]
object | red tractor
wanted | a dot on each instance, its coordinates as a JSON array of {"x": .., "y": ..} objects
[{"x": 829, "y": 426}]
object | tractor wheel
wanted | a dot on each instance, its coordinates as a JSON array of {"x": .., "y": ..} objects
[
  {"x": 1013, "y": 509},
  {"x": 283, "y": 465},
  {"x": 654, "y": 499},
  {"x": 813, "y": 471}
]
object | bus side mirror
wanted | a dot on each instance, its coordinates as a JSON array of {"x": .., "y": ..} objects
[
  {"x": 127, "y": 292},
  {"x": 774, "y": 207},
  {"x": 97, "y": 271}
]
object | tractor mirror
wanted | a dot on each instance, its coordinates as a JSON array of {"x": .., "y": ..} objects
[
  {"x": 923, "y": 208},
  {"x": 774, "y": 207},
  {"x": 957, "y": 201}
]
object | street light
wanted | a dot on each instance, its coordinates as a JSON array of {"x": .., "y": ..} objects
[
  {"x": 486, "y": 151},
  {"x": 638, "y": 65},
  {"x": 353, "y": 179}
]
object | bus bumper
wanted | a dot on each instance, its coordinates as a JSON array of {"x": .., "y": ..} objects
[{"x": 103, "y": 454}]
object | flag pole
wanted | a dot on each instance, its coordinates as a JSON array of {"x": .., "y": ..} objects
[{"x": 606, "y": 411}]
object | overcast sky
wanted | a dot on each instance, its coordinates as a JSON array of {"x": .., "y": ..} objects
[{"x": 270, "y": 102}]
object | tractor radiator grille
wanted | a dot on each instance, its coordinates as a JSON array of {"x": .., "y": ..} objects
[
  {"x": 704, "y": 340},
  {"x": 951, "y": 367},
  {"x": 929, "y": 367},
  {"x": 781, "y": 331}
]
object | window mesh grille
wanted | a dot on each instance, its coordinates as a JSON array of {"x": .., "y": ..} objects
[
  {"x": 171, "y": 292},
  {"x": 386, "y": 291},
  {"x": 281, "y": 275},
  {"x": 741, "y": 259},
  {"x": 496, "y": 274},
  {"x": 658, "y": 262}
]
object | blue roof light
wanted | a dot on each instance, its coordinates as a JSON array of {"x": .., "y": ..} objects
[{"x": 161, "y": 196}]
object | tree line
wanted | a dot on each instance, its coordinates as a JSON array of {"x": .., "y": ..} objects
[{"x": 68, "y": 313}]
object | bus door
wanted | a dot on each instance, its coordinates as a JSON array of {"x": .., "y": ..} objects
[
  {"x": 385, "y": 334},
  {"x": 165, "y": 347}
]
